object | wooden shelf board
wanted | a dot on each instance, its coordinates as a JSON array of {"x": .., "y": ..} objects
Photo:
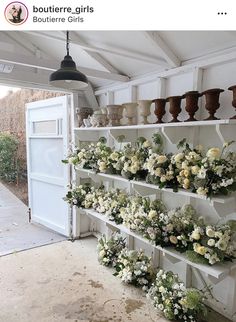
[
  {"x": 219, "y": 199},
  {"x": 218, "y": 271},
  {"x": 157, "y": 126}
]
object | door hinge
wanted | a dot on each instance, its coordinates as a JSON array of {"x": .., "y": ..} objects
[{"x": 29, "y": 213}]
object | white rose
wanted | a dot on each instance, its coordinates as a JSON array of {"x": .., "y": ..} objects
[
  {"x": 173, "y": 240},
  {"x": 202, "y": 191},
  {"x": 195, "y": 235},
  {"x": 133, "y": 169},
  {"x": 221, "y": 244},
  {"x": 195, "y": 169},
  {"x": 71, "y": 160},
  {"x": 213, "y": 153},
  {"x": 211, "y": 242},
  {"x": 178, "y": 157},
  {"x": 186, "y": 172},
  {"x": 102, "y": 253},
  {"x": 210, "y": 232},
  {"x": 146, "y": 144},
  {"x": 202, "y": 173},
  {"x": 157, "y": 172},
  {"x": 152, "y": 214},
  {"x": 185, "y": 165},
  {"x": 161, "y": 289},
  {"x": 163, "y": 179},
  {"x": 161, "y": 158},
  {"x": 80, "y": 155}
]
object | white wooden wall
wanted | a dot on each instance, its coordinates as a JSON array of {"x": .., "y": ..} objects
[{"x": 220, "y": 76}]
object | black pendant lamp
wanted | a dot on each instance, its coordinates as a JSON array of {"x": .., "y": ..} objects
[{"x": 68, "y": 76}]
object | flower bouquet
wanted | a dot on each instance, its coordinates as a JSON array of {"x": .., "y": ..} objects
[
  {"x": 78, "y": 195},
  {"x": 174, "y": 300},
  {"x": 212, "y": 244},
  {"x": 175, "y": 227},
  {"x": 142, "y": 215},
  {"x": 134, "y": 267},
  {"x": 110, "y": 248}
]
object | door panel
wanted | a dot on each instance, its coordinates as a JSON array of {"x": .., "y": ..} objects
[{"x": 47, "y": 144}]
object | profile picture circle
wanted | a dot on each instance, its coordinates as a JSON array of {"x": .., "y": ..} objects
[{"x": 16, "y": 13}]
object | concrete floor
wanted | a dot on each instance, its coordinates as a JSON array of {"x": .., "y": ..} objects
[
  {"x": 64, "y": 282},
  {"x": 16, "y": 233}
]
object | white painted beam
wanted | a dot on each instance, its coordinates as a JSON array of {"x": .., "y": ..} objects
[
  {"x": 162, "y": 47},
  {"x": 27, "y": 79},
  {"x": 91, "y": 98},
  {"x": 40, "y": 81},
  {"x": 95, "y": 55},
  {"x": 51, "y": 65},
  {"x": 115, "y": 51},
  {"x": 187, "y": 67},
  {"x": 22, "y": 41}
]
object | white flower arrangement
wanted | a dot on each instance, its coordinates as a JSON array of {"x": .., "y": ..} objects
[
  {"x": 167, "y": 293},
  {"x": 176, "y": 302},
  {"x": 212, "y": 244},
  {"x": 180, "y": 228},
  {"x": 142, "y": 215},
  {"x": 134, "y": 267},
  {"x": 206, "y": 174},
  {"x": 110, "y": 248}
]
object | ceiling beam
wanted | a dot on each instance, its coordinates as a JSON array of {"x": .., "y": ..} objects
[
  {"x": 115, "y": 51},
  {"x": 91, "y": 98},
  {"x": 26, "y": 79},
  {"x": 166, "y": 52},
  {"x": 40, "y": 81},
  {"x": 22, "y": 41},
  {"x": 97, "y": 57},
  {"x": 51, "y": 65}
]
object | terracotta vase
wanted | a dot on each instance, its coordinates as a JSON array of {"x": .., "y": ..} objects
[
  {"x": 113, "y": 114},
  {"x": 131, "y": 112},
  {"x": 159, "y": 110},
  {"x": 212, "y": 102},
  {"x": 145, "y": 109},
  {"x": 233, "y": 89},
  {"x": 175, "y": 107},
  {"x": 83, "y": 113},
  {"x": 191, "y": 104}
]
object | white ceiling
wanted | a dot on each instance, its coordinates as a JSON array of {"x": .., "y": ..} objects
[{"x": 128, "y": 53}]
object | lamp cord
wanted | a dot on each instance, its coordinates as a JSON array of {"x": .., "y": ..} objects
[{"x": 67, "y": 43}]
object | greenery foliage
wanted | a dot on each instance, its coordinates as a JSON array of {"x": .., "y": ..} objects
[{"x": 8, "y": 157}]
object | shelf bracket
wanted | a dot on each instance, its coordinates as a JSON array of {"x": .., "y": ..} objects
[
  {"x": 224, "y": 132},
  {"x": 174, "y": 134},
  {"x": 145, "y": 191},
  {"x": 221, "y": 209},
  {"x": 130, "y": 134}
]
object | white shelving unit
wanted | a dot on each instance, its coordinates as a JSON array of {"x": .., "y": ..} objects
[
  {"x": 221, "y": 206},
  {"x": 219, "y": 271}
]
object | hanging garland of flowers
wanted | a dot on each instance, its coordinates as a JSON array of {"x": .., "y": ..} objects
[
  {"x": 180, "y": 228},
  {"x": 206, "y": 173}
]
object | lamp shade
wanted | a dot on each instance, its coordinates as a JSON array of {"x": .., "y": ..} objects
[{"x": 68, "y": 76}]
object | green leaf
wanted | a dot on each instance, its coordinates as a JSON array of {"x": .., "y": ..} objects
[
  {"x": 102, "y": 139},
  {"x": 181, "y": 143}
]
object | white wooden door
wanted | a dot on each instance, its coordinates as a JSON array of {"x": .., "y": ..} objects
[{"x": 47, "y": 130}]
